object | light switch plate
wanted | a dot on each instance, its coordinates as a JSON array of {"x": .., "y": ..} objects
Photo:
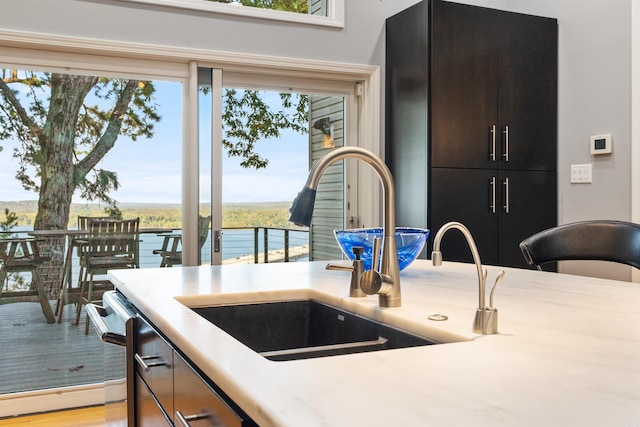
[{"x": 581, "y": 174}]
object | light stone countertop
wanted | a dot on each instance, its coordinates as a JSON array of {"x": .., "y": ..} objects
[{"x": 567, "y": 352}]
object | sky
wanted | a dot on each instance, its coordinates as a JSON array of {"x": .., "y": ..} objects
[{"x": 149, "y": 171}]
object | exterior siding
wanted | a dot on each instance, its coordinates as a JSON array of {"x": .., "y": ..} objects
[{"x": 329, "y": 211}]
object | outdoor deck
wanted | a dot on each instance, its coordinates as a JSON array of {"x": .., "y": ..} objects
[{"x": 35, "y": 355}]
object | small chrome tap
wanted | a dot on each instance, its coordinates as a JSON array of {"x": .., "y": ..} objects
[
  {"x": 386, "y": 281},
  {"x": 486, "y": 320}
]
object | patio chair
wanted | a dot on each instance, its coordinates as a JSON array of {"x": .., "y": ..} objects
[
  {"x": 171, "y": 251},
  {"x": 76, "y": 242},
  {"x": 603, "y": 240},
  {"x": 21, "y": 255},
  {"x": 111, "y": 244}
]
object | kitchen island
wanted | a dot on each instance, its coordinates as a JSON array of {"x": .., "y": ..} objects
[{"x": 567, "y": 351}]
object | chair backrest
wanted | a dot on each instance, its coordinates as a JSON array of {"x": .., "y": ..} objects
[
  {"x": 604, "y": 240},
  {"x": 83, "y": 221},
  {"x": 113, "y": 237},
  {"x": 203, "y": 229}
]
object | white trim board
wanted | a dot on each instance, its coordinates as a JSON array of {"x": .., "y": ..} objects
[
  {"x": 54, "y": 399},
  {"x": 44, "y": 44}
]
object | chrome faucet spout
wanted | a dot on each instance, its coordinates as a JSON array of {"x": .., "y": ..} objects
[
  {"x": 436, "y": 255},
  {"x": 486, "y": 318},
  {"x": 302, "y": 208}
]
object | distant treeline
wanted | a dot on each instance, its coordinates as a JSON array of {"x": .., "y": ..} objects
[{"x": 272, "y": 214}]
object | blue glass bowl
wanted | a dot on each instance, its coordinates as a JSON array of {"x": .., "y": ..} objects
[{"x": 410, "y": 242}]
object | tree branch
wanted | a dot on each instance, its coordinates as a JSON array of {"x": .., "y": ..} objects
[
  {"x": 22, "y": 114},
  {"x": 110, "y": 135}
]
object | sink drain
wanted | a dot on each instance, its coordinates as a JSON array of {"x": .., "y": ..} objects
[{"x": 438, "y": 317}]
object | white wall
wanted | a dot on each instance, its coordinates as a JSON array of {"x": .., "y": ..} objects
[
  {"x": 594, "y": 69},
  {"x": 122, "y": 21}
]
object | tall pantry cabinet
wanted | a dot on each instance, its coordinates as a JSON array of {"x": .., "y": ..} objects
[{"x": 471, "y": 115}]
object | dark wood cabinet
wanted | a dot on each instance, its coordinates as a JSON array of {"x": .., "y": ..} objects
[
  {"x": 153, "y": 360},
  {"x": 169, "y": 391},
  {"x": 148, "y": 411},
  {"x": 471, "y": 115},
  {"x": 498, "y": 208},
  {"x": 196, "y": 403}
]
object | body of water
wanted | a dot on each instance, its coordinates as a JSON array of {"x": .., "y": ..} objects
[{"x": 235, "y": 243}]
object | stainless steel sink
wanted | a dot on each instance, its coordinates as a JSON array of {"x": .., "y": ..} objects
[{"x": 302, "y": 329}]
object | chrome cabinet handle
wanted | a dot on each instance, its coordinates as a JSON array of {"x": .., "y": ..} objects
[
  {"x": 97, "y": 314},
  {"x": 184, "y": 420},
  {"x": 506, "y": 195},
  {"x": 492, "y": 154},
  {"x": 142, "y": 361},
  {"x": 492, "y": 184},
  {"x": 506, "y": 143}
]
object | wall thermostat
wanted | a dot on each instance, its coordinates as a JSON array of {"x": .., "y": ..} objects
[{"x": 601, "y": 144}]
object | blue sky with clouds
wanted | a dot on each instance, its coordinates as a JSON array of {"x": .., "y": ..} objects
[{"x": 149, "y": 171}]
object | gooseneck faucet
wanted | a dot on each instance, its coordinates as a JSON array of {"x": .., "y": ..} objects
[
  {"x": 386, "y": 281},
  {"x": 486, "y": 320}
]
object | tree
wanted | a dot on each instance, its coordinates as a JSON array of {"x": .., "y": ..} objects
[
  {"x": 63, "y": 134},
  {"x": 65, "y": 124}
]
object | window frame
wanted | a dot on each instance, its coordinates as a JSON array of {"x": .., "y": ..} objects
[{"x": 334, "y": 18}]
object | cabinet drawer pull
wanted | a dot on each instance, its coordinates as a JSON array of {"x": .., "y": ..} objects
[
  {"x": 492, "y": 154},
  {"x": 142, "y": 361},
  {"x": 492, "y": 184},
  {"x": 506, "y": 195},
  {"x": 184, "y": 420},
  {"x": 506, "y": 143}
]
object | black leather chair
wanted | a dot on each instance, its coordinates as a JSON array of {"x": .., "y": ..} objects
[{"x": 604, "y": 240}]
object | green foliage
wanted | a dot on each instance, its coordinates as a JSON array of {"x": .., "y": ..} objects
[
  {"x": 255, "y": 216},
  {"x": 9, "y": 222},
  {"x": 15, "y": 281},
  {"x": 98, "y": 190},
  {"x": 297, "y": 6},
  {"x": 247, "y": 119},
  {"x": 275, "y": 214}
]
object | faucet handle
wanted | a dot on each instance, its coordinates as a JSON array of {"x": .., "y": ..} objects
[
  {"x": 493, "y": 288},
  {"x": 377, "y": 244}
]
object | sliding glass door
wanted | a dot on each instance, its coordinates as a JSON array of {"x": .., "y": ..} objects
[
  {"x": 110, "y": 144},
  {"x": 175, "y": 171},
  {"x": 254, "y": 158}
]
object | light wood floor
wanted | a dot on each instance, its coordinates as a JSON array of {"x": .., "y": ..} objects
[{"x": 84, "y": 417}]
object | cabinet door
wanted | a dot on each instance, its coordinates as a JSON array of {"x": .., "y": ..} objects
[
  {"x": 524, "y": 203},
  {"x": 528, "y": 207},
  {"x": 468, "y": 196},
  {"x": 148, "y": 413},
  {"x": 527, "y": 92},
  {"x": 463, "y": 85},
  {"x": 196, "y": 404},
  {"x": 154, "y": 364}
]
